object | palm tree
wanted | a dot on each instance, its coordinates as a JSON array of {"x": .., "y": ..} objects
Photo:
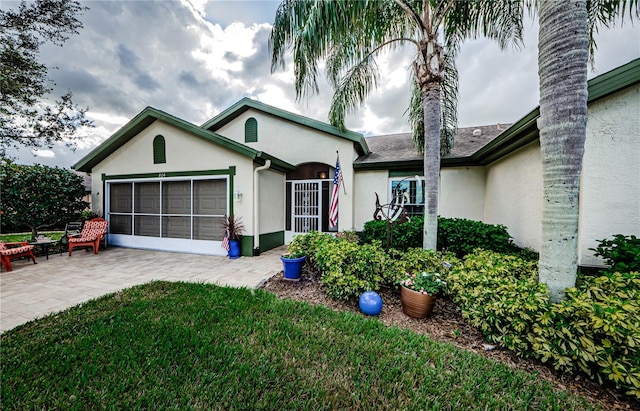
[
  {"x": 348, "y": 35},
  {"x": 565, "y": 44}
]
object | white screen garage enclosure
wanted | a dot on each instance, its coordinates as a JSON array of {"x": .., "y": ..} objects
[{"x": 174, "y": 214}]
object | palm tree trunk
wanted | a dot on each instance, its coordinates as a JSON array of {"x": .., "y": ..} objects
[
  {"x": 431, "y": 102},
  {"x": 562, "y": 67}
]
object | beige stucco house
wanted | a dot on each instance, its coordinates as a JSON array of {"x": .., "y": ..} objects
[{"x": 164, "y": 183}]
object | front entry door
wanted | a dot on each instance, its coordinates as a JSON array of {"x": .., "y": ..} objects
[{"x": 306, "y": 206}]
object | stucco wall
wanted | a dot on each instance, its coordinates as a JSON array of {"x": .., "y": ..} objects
[
  {"x": 271, "y": 204},
  {"x": 367, "y": 184},
  {"x": 513, "y": 195},
  {"x": 462, "y": 191},
  {"x": 297, "y": 145},
  {"x": 610, "y": 192},
  {"x": 184, "y": 152}
]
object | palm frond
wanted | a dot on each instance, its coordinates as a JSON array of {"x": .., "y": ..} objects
[
  {"x": 500, "y": 20},
  {"x": 606, "y": 13}
]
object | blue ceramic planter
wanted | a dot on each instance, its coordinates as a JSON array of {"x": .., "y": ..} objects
[
  {"x": 234, "y": 249},
  {"x": 292, "y": 268},
  {"x": 370, "y": 303}
]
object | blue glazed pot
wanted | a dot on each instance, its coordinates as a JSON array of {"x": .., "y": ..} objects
[
  {"x": 370, "y": 303},
  {"x": 292, "y": 268},
  {"x": 234, "y": 249}
]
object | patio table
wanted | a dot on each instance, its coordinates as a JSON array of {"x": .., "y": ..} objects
[{"x": 44, "y": 245}]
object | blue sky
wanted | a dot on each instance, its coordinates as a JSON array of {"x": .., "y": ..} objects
[{"x": 195, "y": 58}]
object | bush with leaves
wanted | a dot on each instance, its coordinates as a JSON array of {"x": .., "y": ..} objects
[
  {"x": 620, "y": 253},
  {"x": 40, "y": 196},
  {"x": 405, "y": 235},
  {"x": 461, "y": 236},
  {"x": 457, "y": 235},
  {"x": 347, "y": 269},
  {"x": 595, "y": 330}
]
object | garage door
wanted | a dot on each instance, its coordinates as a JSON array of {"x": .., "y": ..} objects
[{"x": 173, "y": 214}]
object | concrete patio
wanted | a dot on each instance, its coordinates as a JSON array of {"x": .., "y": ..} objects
[{"x": 33, "y": 291}]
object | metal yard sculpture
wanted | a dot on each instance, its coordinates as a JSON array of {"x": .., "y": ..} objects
[{"x": 394, "y": 211}]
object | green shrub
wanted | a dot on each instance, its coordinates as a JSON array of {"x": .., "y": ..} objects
[
  {"x": 405, "y": 235},
  {"x": 348, "y": 269},
  {"x": 596, "y": 329},
  {"x": 621, "y": 253},
  {"x": 417, "y": 260},
  {"x": 308, "y": 244},
  {"x": 462, "y": 236},
  {"x": 458, "y": 235}
]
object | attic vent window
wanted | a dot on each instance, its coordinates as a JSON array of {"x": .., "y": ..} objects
[
  {"x": 251, "y": 131},
  {"x": 477, "y": 132},
  {"x": 159, "y": 150}
]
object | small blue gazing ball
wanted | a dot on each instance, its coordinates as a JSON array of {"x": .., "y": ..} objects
[{"x": 370, "y": 303}]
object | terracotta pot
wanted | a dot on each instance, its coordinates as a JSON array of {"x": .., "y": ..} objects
[{"x": 415, "y": 304}]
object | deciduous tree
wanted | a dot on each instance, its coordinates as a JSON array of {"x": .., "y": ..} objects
[
  {"x": 27, "y": 116},
  {"x": 40, "y": 196}
]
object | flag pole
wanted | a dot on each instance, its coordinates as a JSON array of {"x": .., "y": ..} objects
[{"x": 344, "y": 188}]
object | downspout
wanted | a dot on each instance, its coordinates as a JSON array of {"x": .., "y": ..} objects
[{"x": 256, "y": 210}]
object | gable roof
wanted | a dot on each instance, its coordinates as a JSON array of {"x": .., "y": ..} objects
[
  {"x": 397, "y": 152},
  {"x": 246, "y": 103},
  {"x": 147, "y": 117}
]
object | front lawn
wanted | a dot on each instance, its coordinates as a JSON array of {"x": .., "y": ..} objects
[{"x": 195, "y": 346}]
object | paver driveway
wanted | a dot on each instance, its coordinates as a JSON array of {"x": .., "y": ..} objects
[{"x": 32, "y": 291}]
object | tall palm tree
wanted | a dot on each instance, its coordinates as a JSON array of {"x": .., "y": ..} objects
[
  {"x": 348, "y": 35},
  {"x": 565, "y": 44}
]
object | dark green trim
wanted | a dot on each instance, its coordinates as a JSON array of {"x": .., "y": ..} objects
[
  {"x": 405, "y": 173},
  {"x": 231, "y": 171},
  {"x": 245, "y": 104},
  {"x": 615, "y": 80},
  {"x": 246, "y": 246},
  {"x": 270, "y": 241},
  {"x": 147, "y": 117},
  {"x": 525, "y": 130},
  {"x": 398, "y": 166}
]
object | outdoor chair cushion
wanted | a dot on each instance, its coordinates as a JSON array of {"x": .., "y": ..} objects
[
  {"x": 92, "y": 232},
  {"x": 11, "y": 251}
]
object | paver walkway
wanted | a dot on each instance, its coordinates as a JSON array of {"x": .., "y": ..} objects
[{"x": 33, "y": 291}]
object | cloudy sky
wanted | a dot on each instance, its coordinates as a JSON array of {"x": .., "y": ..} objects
[{"x": 195, "y": 58}]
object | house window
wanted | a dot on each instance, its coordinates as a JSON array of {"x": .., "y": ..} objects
[
  {"x": 251, "y": 131},
  {"x": 414, "y": 188},
  {"x": 159, "y": 150}
]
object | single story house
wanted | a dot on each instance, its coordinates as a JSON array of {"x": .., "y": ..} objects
[{"x": 164, "y": 183}]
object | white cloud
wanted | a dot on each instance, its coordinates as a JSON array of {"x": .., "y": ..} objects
[
  {"x": 43, "y": 153},
  {"x": 194, "y": 58}
]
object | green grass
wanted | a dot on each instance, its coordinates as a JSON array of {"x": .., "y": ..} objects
[
  {"x": 10, "y": 238},
  {"x": 195, "y": 346}
]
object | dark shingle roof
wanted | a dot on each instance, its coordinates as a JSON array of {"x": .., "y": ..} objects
[{"x": 399, "y": 147}]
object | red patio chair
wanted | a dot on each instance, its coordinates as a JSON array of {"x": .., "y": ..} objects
[
  {"x": 11, "y": 251},
  {"x": 92, "y": 233}
]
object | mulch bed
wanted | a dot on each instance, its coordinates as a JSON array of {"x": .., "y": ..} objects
[{"x": 446, "y": 324}]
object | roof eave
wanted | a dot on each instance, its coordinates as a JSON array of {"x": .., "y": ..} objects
[{"x": 228, "y": 115}]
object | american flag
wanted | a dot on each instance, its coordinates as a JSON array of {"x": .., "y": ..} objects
[
  {"x": 333, "y": 207},
  {"x": 225, "y": 240}
]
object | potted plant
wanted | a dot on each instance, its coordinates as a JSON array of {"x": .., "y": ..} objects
[
  {"x": 292, "y": 263},
  {"x": 418, "y": 293},
  {"x": 233, "y": 229}
]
